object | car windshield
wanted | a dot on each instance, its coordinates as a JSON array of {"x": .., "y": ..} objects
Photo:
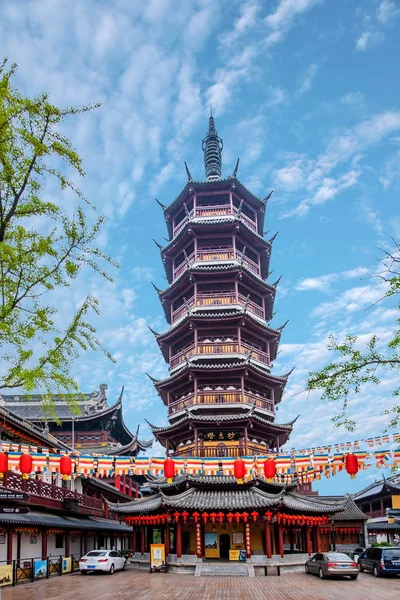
[
  {"x": 95, "y": 553},
  {"x": 338, "y": 556},
  {"x": 392, "y": 553}
]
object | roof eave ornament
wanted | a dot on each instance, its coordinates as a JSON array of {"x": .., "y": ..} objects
[{"x": 212, "y": 146}]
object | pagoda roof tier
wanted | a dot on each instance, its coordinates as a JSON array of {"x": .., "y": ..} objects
[
  {"x": 207, "y": 272},
  {"x": 95, "y": 413},
  {"x": 187, "y": 234},
  {"x": 235, "y": 317},
  {"x": 222, "y": 481},
  {"x": 204, "y": 186},
  {"x": 15, "y": 427},
  {"x": 262, "y": 428},
  {"x": 238, "y": 497},
  {"x": 185, "y": 372},
  {"x": 383, "y": 486}
]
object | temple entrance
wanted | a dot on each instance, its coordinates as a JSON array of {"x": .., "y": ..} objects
[
  {"x": 224, "y": 545},
  {"x": 221, "y": 450}
]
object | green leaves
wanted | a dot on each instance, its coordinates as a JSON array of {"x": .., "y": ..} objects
[
  {"x": 41, "y": 248},
  {"x": 352, "y": 367}
]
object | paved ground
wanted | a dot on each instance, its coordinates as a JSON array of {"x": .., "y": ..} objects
[{"x": 134, "y": 584}]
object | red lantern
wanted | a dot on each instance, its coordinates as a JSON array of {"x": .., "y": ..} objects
[
  {"x": 65, "y": 466},
  {"x": 196, "y": 516},
  {"x": 213, "y": 516},
  {"x": 25, "y": 465},
  {"x": 268, "y": 514},
  {"x": 239, "y": 469},
  {"x": 254, "y": 515},
  {"x": 169, "y": 469},
  {"x": 245, "y": 517},
  {"x": 269, "y": 468},
  {"x": 185, "y": 515},
  {"x": 352, "y": 465},
  {"x": 237, "y": 516},
  {"x": 229, "y": 516},
  {"x": 176, "y": 516},
  {"x": 220, "y": 516},
  {"x": 3, "y": 464},
  {"x": 205, "y": 516}
]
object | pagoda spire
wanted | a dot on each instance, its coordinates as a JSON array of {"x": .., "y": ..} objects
[{"x": 212, "y": 147}]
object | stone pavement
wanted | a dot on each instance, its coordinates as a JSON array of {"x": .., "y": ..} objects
[{"x": 134, "y": 584}]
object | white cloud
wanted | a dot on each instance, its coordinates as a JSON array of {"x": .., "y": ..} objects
[
  {"x": 387, "y": 11},
  {"x": 352, "y": 98},
  {"x": 280, "y": 21},
  {"x": 247, "y": 19},
  {"x": 276, "y": 96},
  {"x": 308, "y": 78},
  {"x": 391, "y": 171},
  {"x": 368, "y": 39},
  {"x": 323, "y": 283}
]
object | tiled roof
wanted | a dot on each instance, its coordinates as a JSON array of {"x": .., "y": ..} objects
[
  {"x": 241, "y": 498},
  {"x": 382, "y": 526},
  {"x": 351, "y": 511},
  {"x": 36, "y": 519},
  {"x": 376, "y": 488},
  {"x": 47, "y": 439}
]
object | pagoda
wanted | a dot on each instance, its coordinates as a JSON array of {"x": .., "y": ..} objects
[{"x": 220, "y": 394}]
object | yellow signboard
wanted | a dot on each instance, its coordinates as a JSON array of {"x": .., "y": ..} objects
[
  {"x": 6, "y": 575},
  {"x": 157, "y": 558},
  {"x": 66, "y": 564},
  {"x": 234, "y": 554}
]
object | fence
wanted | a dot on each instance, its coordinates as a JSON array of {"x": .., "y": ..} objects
[{"x": 34, "y": 569}]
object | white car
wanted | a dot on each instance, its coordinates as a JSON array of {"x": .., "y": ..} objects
[{"x": 102, "y": 560}]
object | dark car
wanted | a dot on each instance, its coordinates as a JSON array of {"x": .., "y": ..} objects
[
  {"x": 381, "y": 561},
  {"x": 326, "y": 564}
]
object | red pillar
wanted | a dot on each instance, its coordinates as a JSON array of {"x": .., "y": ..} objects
[
  {"x": 106, "y": 510},
  {"x": 318, "y": 539},
  {"x": 130, "y": 487},
  {"x": 44, "y": 544},
  {"x": 167, "y": 540},
  {"x": 247, "y": 539},
  {"x": 178, "y": 540},
  {"x": 142, "y": 549},
  {"x": 117, "y": 482},
  {"x": 10, "y": 537},
  {"x": 137, "y": 490},
  {"x": 308, "y": 540},
  {"x": 199, "y": 546},
  {"x": 268, "y": 539},
  {"x": 280, "y": 541}
]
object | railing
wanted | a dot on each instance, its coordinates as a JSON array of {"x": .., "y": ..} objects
[
  {"x": 218, "y": 210},
  {"x": 219, "y": 254},
  {"x": 227, "y": 451},
  {"x": 49, "y": 491},
  {"x": 216, "y": 397},
  {"x": 27, "y": 569},
  {"x": 217, "y": 299},
  {"x": 219, "y": 348}
]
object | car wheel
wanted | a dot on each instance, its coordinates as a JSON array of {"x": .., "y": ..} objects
[
  {"x": 307, "y": 569},
  {"x": 376, "y": 572},
  {"x": 353, "y": 576},
  {"x": 83, "y": 572},
  {"x": 321, "y": 574},
  {"x": 111, "y": 571}
]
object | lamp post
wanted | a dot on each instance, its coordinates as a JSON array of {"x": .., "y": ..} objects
[{"x": 333, "y": 535}]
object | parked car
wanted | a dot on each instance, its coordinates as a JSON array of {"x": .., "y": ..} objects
[
  {"x": 381, "y": 561},
  {"x": 326, "y": 564},
  {"x": 102, "y": 560},
  {"x": 357, "y": 553}
]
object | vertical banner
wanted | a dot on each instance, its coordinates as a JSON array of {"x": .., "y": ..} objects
[{"x": 157, "y": 558}]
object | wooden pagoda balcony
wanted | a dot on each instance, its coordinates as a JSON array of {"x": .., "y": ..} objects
[
  {"x": 216, "y": 397},
  {"x": 220, "y": 254},
  {"x": 50, "y": 495},
  {"x": 213, "y": 348},
  {"x": 228, "y": 452},
  {"x": 217, "y": 299},
  {"x": 218, "y": 210}
]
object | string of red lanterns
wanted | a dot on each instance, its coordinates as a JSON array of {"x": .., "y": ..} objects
[{"x": 237, "y": 517}]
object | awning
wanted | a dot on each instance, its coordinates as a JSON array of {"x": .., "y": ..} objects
[{"x": 37, "y": 519}]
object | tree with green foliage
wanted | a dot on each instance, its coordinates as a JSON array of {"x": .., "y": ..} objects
[
  {"x": 352, "y": 368},
  {"x": 41, "y": 247}
]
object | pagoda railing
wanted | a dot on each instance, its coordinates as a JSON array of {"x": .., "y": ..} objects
[
  {"x": 214, "y": 348},
  {"x": 215, "y": 452},
  {"x": 217, "y": 299},
  {"x": 219, "y": 254},
  {"x": 217, "y": 210},
  {"x": 212, "y": 397},
  {"x": 49, "y": 491}
]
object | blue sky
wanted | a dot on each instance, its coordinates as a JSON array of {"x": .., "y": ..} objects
[{"x": 305, "y": 92}]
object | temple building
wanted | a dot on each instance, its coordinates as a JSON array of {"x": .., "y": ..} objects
[
  {"x": 221, "y": 394},
  {"x": 85, "y": 423}
]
